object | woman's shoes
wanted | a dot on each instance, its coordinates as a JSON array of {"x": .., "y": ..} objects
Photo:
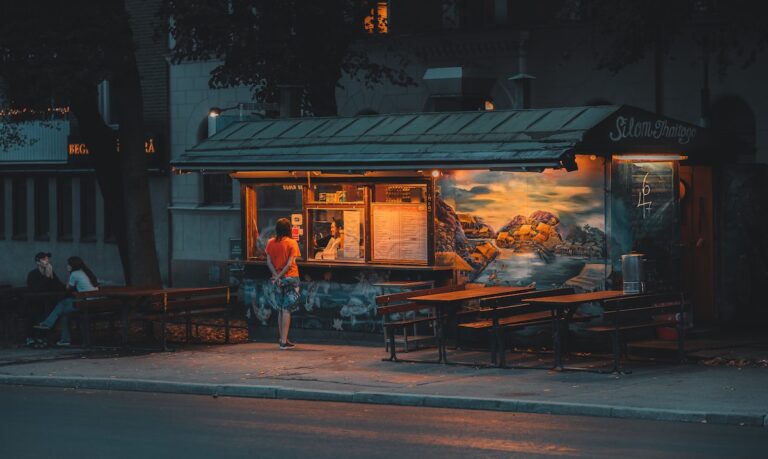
[{"x": 287, "y": 345}]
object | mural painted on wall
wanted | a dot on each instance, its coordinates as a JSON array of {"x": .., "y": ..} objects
[
  {"x": 521, "y": 228},
  {"x": 499, "y": 228},
  {"x": 329, "y": 300}
]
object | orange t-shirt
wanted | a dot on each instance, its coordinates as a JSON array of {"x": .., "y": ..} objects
[{"x": 280, "y": 251}]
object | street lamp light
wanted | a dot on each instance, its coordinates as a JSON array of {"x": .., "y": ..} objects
[{"x": 215, "y": 112}]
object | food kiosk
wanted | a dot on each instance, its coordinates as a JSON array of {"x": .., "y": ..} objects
[{"x": 550, "y": 197}]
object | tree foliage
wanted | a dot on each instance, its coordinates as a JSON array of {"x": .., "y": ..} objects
[
  {"x": 54, "y": 54},
  {"x": 627, "y": 31},
  {"x": 265, "y": 43}
]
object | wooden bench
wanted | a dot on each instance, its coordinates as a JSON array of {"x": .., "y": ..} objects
[
  {"x": 624, "y": 315},
  {"x": 128, "y": 304},
  {"x": 394, "y": 303},
  {"x": 182, "y": 305},
  {"x": 91, "y": 309},
  {"x": 510, "y": 312},
  {"x": 216, "y": 302}
]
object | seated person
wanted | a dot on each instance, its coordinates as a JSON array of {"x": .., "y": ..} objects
[
  {"x": 335, "y": 242},
  {"x": 42, "y": 278}
]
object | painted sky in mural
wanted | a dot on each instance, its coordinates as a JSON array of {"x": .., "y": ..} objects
[
  {"x": 575, "y": 197},
  {"x": 547, "y": 228}
]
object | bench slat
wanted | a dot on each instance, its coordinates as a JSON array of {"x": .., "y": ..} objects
[
  {"x": 515, "y": 298},
  {"x": 636, "y": 326},
  {"x": 194, "y": 312},
  {"x": 196, "y": 302},
  {"x": 395, "y": 308},
  {"x": 641, "y": 313},
  {"x": 403, "y": 323},
  {"x": 641, "y": 301},
  {"x": 384, "y": 300}
]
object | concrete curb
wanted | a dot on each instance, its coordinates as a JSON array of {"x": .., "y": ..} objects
[{"x": 383, "y": 398}]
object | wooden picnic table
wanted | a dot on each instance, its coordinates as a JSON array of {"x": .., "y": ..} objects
[
  {"x": 564, "y": 307},
  {"x": 442, "y": 302}
]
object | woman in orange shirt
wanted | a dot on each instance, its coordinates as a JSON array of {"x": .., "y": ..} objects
[{"x": 282, "y": 252}]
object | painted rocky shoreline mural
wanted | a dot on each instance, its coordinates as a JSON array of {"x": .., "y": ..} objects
[
  {"x": 545, "y": 229},
  {"x": 540, "y": 234}
]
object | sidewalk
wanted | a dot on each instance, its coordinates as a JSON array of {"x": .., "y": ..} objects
[{"x": 335, "y": 371}]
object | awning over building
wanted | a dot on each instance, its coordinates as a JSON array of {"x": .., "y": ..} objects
[{"x": 503, "y": 139}]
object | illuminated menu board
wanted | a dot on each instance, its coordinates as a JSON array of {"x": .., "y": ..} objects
[{"x": 399, "y": 232}]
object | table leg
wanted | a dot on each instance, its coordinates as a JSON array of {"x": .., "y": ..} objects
[
  {"x": 556, "y": 344},
  {"x": 124, "y": 314},
  {"x": 497, "y": 352},
  {"x": 440, "y": 317}
]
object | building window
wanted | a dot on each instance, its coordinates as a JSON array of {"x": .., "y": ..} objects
[
  {"x": 64, "y": 208},
  {"x": 87, "y": 209},
  {"x": 377, "y": 19},
  {"x": 2, "y": 208},
  {"x": 217, "y": 189},
  {"x": 266, "y": 204},
  {"x": 19, "y": 207},
  {"x": 42, "y": 209}
]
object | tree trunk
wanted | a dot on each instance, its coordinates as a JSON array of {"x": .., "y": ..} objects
[
  {"x": 142, "y": 266},
  {"x": 121, "y": 169},
  {"x": 102, "y": 142},
  {"x": 122, "y": 178}
]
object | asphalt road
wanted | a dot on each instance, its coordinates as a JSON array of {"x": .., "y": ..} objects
[{"x": 66, "y": 423}]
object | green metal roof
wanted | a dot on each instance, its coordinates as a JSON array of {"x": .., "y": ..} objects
[{"x": 483, "y": 139}]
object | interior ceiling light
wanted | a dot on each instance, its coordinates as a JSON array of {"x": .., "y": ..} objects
[{"x": 651, "y": 157}]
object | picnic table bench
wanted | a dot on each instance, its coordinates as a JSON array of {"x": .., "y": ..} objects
[
  {"x": 624, "y": 315},
  {"x": 127, "y": 304},
  {"x": 406, "y": 339},
  {"x": 511, "y": 312},
  {"x": 394, "y": 303},
  {"x": 450, "y": 304}
]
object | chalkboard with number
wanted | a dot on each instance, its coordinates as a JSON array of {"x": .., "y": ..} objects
[{"x": 645, "y": 215}]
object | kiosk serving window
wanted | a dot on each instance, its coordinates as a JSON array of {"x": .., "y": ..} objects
[
  {"x": 265, "y": 205},
  {"x": 342, "y": 222},
  {"x": 338, "y": 233}
]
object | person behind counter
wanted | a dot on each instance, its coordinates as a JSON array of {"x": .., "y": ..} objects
[
  {"x": 335, "y": 242},
  {"x": 282, "y": 252}
]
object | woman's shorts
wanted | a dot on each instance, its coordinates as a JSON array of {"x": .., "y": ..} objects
[{"x": 287, "y": 294}]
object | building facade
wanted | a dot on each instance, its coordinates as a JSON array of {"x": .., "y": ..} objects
[
  {"x": 49, "y": 198},
  {"x": 478, "y": 59}
]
